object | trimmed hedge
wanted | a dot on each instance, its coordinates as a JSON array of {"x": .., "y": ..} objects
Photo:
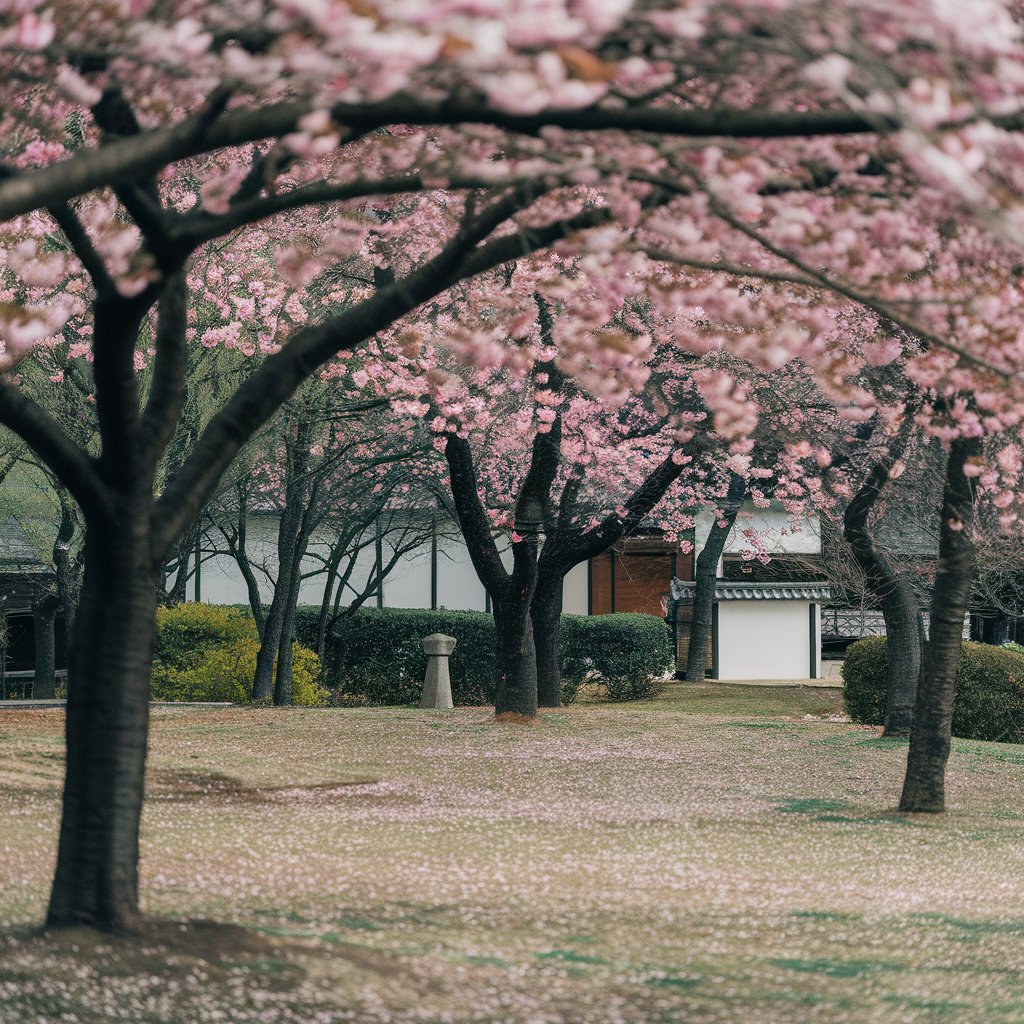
[
  {"x": 627, "y": 653},
  {"x": 989, "y": 703},
  {"x": 376, "y": 656},
  {"x": 208, "y": 653}
]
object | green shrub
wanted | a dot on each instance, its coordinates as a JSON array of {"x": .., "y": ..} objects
[
  {"x": 186, "y": 633},
  {"x": 989, "y": 703},
  {"x": 376, "y": 656},
  {"x": 626, "y": 653},
  {"x": 864, "y": 680},
  {"x": 208, "y": 653}
]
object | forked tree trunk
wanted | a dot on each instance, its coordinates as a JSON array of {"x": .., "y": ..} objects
[
  {"x": 96, "y": 880},
  {"x": 263, "y": 687},
  {"x": 900, "y": 610},
  {"x": 44, "y": 620},
  {"x": 705, "y": 577},
  {"x": 270, "y": 642},
  {"x": 546, "y": 617},
  {"x": 283, "y": 676},
  {"x": 894, "y": 593},
  {"x": 924, "y": 785},
  {"x": 516, "y": 683}
]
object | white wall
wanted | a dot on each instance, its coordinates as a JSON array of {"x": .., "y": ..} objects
[
  {"x": 458, "y": 587},
  {"x": 764, "y": 640},
  {"x": 576, "y": 591},
  {"x": 222, "y": 583},
  {"x": 408, "y": 585}
]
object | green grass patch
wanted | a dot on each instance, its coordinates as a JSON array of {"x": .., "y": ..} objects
[
  {"x": 359, "y": 923},
  {"x": 810, "y": 805},
  {"x": 674, "y": 983},
  {"x": 572, "y": 956},
  {"x": 838, "y": 968}
]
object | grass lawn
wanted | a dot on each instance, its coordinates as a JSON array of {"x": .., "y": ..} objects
[{"x": 726, "y": 854}]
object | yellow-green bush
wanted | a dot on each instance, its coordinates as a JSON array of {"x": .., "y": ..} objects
[{"x": 208, "y": 653}]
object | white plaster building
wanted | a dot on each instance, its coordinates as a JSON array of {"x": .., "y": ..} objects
[{"x": 763, "y": 630}]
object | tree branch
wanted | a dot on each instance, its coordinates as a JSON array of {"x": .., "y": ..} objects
[
  {"x": 123, "y": 160},
  {"x": 276, "y": 380},
  {"x": 70, "y": 464}
]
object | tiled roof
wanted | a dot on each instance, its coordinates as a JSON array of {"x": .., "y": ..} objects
[{"x": 728, "y": 591}]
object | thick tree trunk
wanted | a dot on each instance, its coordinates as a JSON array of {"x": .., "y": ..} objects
[
  {"x": 270, "y": 642},
  {"x": 546, "y": 618},
  {"x": 516, "y": 684},
  {"x": 96, "y": 880},
  {"x": 283, "y": 674},
  {"x": 274, "y": 624},
  {"x": 895, "y": 595},
  {"x": 705, "y": 578},
  {"x": 924, "y": 785},
  {"x": 900, "y": 611},
  {"x": 283, "y": 677},
  {"x": 44, "y": 618}
]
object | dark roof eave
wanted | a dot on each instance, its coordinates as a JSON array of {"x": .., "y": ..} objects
[{"x": 725, "y": 591}]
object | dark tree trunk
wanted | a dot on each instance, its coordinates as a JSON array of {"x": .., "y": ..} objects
[
  {"x": 237, "y": 539},
  {"x": 96, "y": 880},
  {"x": 900, "y": 610},
  {"x": 183, "y": 550},
  {"x": 546, "y": 618},
  {"x": 324, "y": 616},
  {"x": 283, "y": 673},
  {"x": 705, "y": 578},
  {"x": 894, "y": 593},
  {"x": 283, "y": 677},
  {"x": 274, "y": 624},
  {"x": 270, "y": 642},
  {"x": 44, "y": 618},
  {"x": 924, "y": 785},
  {"x": 67, "y": 567},
  {"x": 516, "y": 684}
]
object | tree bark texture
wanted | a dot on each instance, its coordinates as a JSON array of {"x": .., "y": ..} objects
[
  {"x": 283, "y": 675},
  {"x": 924, "y": 784},
  {"x": 894, "y": 593},
  {"x": 705, "y": 577},
  {"x": 546, "y": 617},
  {"x": 44, "y": 619},
  {"x": 289, "y": 529},
  {"x": 68, "y": 567},
  {"x": 96, "y": 880},
  {"x": 516, "y": 684},
  {"x": 515, "y": 688}
]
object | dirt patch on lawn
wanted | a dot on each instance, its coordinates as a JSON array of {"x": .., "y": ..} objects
[
  {"x": 31, "y": 720},
  {"x": 170, "y": 949},
  {"x": 169, "y": 784}
]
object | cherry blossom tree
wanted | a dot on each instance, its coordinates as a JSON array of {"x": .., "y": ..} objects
[{"x": 634, "y": 135}]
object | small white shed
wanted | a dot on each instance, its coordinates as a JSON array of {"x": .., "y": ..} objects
[{"x": 759, "y": 630}]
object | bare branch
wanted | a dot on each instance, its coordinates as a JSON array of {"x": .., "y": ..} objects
[{"x": 70, "y": 464}]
